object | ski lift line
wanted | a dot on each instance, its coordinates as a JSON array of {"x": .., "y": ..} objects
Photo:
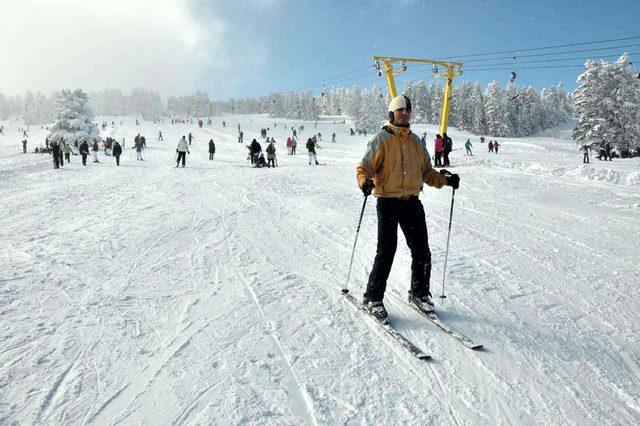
[
  {"x": 343, "y": 80},
  {"x": 526, "y": 68},
  {"x": 554, "y": 53},
  {"x": 558, "y": 46},
  {"x": 327, "y": 80},
  {"x": 376, "y": 80},
  {"x": 551, "y": 60},
  {"x": 331, "y": 78},
  {"x": 470, "y": 68}
]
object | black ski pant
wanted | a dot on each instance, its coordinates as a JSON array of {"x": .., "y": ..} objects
[
  {"x": 438, "y": 162},
  {"x": 585, "y": 158},
  {"x": 182, "y": 155},
  {"x": 211, "y": 156},
  {"x": 446, "y": 159},
  {"x": 62, "y": 159},
  {"x": 117, "y": 159},
  {"x": 469, "y": 152},
  {"x": 271, "y": 163},
  {"x": 409, "y": 214},
  {"x": 56, "y": 162},
  {"x": 84, "y": 158}
]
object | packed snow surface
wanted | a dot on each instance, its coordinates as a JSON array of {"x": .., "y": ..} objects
[{"x": 211, "y": 294}]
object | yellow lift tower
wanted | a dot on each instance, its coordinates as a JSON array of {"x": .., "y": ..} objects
[{"x": 384, "y": 65}]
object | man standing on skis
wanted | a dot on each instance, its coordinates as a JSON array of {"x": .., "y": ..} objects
[{"x": 395, "y": 166}]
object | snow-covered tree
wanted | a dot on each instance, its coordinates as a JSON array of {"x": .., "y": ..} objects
[
  {"x": 74, "y": 118},
  {"x": 372, "y": 111},
  {"x": 495, "y": 110},
  {"x": 607, "y": 104}
]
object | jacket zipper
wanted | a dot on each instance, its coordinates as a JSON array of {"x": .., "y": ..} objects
[{"x": 402, "y": 166}]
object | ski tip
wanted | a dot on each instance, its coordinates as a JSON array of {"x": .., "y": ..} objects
[
  {"x": 476, "y": 347},
  {"x": 424, "y": 357}
]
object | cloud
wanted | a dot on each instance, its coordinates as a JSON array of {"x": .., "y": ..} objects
[{"x": 93, "y": 44}]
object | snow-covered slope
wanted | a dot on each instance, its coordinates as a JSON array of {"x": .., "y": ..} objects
[{"x": 211, "y": 294}]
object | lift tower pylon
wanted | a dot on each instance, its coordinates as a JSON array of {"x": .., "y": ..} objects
[{"x": 451, "y": 71}]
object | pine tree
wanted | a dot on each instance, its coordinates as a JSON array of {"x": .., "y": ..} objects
[
  {"x": 73, "y": 119},
  {"x": 477, "y": 110},
  {"x": 495, "y": 110},
  {"x": 592, "y": 119}
]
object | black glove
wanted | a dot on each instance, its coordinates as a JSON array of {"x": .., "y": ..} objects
[
  {"x": 453, "y": 181},
  {"x": 367, "y": 186}
]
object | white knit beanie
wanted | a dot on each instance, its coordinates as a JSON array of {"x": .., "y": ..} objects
[{"x": 399, "y": 102}]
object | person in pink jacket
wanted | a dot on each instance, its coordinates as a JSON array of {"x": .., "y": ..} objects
[
  {"x": 495, "y": 146},
  {"x": 289, "y": 146},
  {"x": 439, "y": 149}
]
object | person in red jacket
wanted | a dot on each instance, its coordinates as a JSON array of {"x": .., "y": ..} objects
[
  {"x": 439, "y": 149},
  {"x": 495, "y": 146}
]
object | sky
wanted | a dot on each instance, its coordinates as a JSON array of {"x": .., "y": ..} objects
[{"x": 252, "y": 47}]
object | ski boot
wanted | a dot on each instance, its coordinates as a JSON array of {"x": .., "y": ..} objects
[
  {"x": 423, "y": 303},
  {"x": 376, "y": 310}
]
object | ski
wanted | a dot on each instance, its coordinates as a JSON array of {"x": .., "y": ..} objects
[
  {"x": 392, "y": 332},
  {"x": 434, "y": 318}
]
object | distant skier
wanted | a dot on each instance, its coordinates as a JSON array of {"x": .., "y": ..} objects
[
  {"x": 607, "y": 151},
  {"x": 495, "y": 146},
  {"x": 294, "y": 144},
  {"x": 333, "y": 138},
  {"x": 397, "y": 165},
  {"x": 190, "y": 138},
  {"x": 62, "y": 144},
  {"x": 260, "y": 162},
  {"x": 481, "y": 139},
  {"x": 438, "y": 148},
  {"x": 84, "y": 152},
  {"x": 254, "y": 150},
  {"x": 212, "y": 149},
  {"x": 182, "y": 150},
  {"x": 240, "y": 136},
  {"x": 490, "y": 146},
  {"x": 271, "y": 154},
  {"x": 311, "y": 151},
  {"x": 468, "y": 146},
  {"x": 585, "y": 153},
  {"x": 160, "y": 136},
  {"x": 67, "y": 152},
  {"x": 137, "y": 145},
  {"x": 94, "y": 151},
  {"x": 24, "y": 146},
  {"x": 117, "y": 151},
  {"x": 289, "y": 146},
  {"x": 224, "y": 124},
  {"x": 55, "y": 153},
  {"x": 448, "y": 147}
]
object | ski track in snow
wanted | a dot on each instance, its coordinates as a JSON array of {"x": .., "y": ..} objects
[{"x": 211, "y": 294}]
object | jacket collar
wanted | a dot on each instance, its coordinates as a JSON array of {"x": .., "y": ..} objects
[{"x": 395, "y": 130}]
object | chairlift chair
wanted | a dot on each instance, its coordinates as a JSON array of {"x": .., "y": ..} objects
[{"x": 513, "y": 73}]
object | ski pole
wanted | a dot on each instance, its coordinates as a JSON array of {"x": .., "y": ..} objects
[
  {"x": 345, "y": 290},
  {"x": 446, "y": 255}
]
